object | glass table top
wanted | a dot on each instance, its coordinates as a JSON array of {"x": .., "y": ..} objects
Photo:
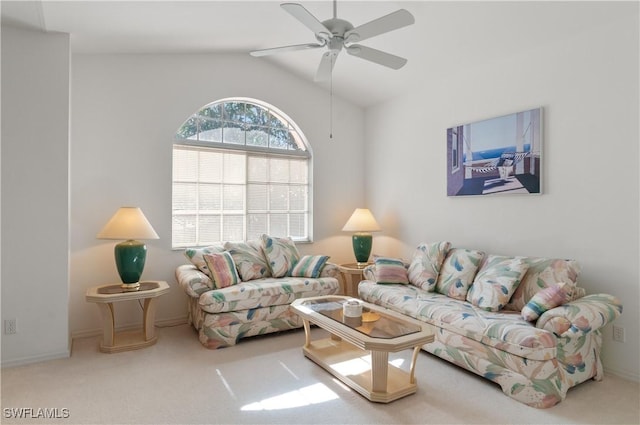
[{"x": 375, "y": 324}]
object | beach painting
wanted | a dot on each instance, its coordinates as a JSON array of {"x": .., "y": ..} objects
[{"x": 497, "y": 156}]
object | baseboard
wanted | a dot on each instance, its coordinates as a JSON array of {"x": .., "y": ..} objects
[
  {"x": 167, "y": 323},
  {"x": 36, "y": 359},
  {"x": 624, "y": 374},
  {"x": 160, "y": 323}
]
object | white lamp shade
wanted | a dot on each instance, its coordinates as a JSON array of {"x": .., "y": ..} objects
[
  {"x": 128, "y": 223},
  {"x": 361, "y": 221}
]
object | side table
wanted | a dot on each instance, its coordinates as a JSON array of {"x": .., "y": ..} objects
[
  {"x": 104, "y": 296},
  {"x": 350, "y": 270}
]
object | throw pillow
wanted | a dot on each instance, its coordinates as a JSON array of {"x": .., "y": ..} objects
[
  {"x": 548, "y": 298},
  {"x": 391, "y": 270},
  {"x": 542, "y": 273},
  {"x": 249, "y": 258},
  {"x": 496, "y": 282},
  {"x": 425, "y": 264},
  {"x": 281, "y": 254},
  {"x": 222, "y": 270},
  {"x": 196, "y": 256},
  {"x": 309, "y": 266},
  {"x": 457, "y": 272}
]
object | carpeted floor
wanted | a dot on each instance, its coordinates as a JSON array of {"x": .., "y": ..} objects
[{"x": 266, "y": 380}]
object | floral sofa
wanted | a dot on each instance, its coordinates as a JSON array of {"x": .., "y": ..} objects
[
  {"x": 521, "y": 322},
  {"x": 241, "y": 289}
]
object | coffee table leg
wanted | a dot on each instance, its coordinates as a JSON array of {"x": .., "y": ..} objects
[
  {"x": 412, "y": 371},
  {"x": 307, "y": 333},
  {"x": 379, "y": 369}
]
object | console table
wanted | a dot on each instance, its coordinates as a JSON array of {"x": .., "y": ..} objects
[{"x": 104, "y": 296}]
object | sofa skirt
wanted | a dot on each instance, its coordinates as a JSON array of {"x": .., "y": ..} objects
[
  {"x": 218, "y": 330},
  {"x": 536, "y": 383}
]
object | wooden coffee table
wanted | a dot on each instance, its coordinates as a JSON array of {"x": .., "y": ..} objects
[{"x": 358, "y": 350}]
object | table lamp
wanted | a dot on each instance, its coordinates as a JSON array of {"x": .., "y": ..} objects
[
  {"x": 362, "y": 223},
  {"x": 129, "y": 223}
]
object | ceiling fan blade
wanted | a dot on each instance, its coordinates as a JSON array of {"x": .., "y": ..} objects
[
  {"x": 377, "y": 56},
  {"x": 326, "y": 66},
  {"x": 274, "y": 50},
  {"x": 393, "y": 21},
  {"x": 303, "y": 15}
]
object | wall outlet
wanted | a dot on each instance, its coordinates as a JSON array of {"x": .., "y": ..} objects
[
  {"x": 618, "y": 333},
  {"x": 10, "y": 326}
]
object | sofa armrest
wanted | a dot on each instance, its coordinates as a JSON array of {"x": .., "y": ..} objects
[
  {"x": 581, "y": 316},
  {"x": 332, "y": 270},
  {"x": 193, "y": 281},
  {"x": 369, "y": 273}
]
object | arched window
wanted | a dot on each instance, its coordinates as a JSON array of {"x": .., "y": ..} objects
[{"x": 241, "y": 168}]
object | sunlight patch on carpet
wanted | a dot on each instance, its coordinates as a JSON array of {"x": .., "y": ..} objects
[
  {"x": 359, "y": 365},
  {"x": 312, "y": 394},
  {"x": 289, "y": 370},
  {"x": 226, "y": 384}
]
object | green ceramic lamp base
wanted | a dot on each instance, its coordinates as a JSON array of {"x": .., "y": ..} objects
[
  {"x": 362, "y": 243},
  {"x": 130, "y": 258}
]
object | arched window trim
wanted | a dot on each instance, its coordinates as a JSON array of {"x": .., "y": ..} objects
[{"x": 303, "y": 152}]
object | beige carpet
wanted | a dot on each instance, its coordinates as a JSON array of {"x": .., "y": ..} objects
[{"x": 267, "y": 380}]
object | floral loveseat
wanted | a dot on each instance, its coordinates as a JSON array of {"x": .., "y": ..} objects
[
  {"x": 521, "y": 322},
  {"x": 241, "y": 289}
]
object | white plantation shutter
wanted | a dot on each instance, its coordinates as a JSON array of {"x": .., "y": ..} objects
[{"x": 233, "y": 193}]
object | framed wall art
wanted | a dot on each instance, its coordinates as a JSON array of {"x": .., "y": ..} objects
[{"x": 497, "y": 156}]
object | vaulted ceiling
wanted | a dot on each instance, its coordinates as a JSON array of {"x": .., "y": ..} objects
[{"x": 446, "y": 35}]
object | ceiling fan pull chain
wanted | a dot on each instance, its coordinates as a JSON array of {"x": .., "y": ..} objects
[{"x": 331, "y": 102}]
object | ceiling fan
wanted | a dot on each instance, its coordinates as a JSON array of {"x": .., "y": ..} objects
[{"x": 336, "y": 34}]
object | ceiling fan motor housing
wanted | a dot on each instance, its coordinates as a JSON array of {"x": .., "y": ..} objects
[{"x": 338, "y": 27}]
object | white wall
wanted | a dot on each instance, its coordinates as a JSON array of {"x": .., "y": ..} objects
[
  {"x": 126, "y": 110},
  {"x": 35, "y": 201},
  {"x": 588, "y": 87}
]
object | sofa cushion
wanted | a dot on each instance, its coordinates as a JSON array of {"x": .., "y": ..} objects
[
  {"x": 542, "y": 273},
  {"x": 546, "y": 299},
  {"x": 507, "y": 331},
  {"x": 266, "y": 292},
  {"x": 222, "y": 269},
  {"x": 391, "y": 270},
  {"x": 309, "y": 266},
  {"x": 249, "y": 258},
  {"x": 425, "y": 264},
  {"x": 195, "y": 256},
  {"x": 281, "y": 254},
  {"x": 458, "y": 271},
  {"x": 496, "y": 282}
]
